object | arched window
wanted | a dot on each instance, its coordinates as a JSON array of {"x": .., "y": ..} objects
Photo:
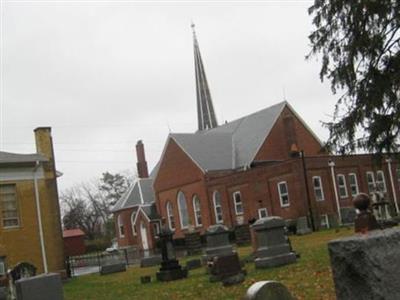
[
  {"x": 133, "y": 215},
  {"x": 217, "y": 207},
  {"x": 197, "y": 210},
  {"x": 183, "y": 212},
  {"x": 170, "y": 215},
  {"x": 121, "y": 229}
]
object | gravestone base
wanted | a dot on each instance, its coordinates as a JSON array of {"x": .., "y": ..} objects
[
  {"x": 112, "y": 268},
  {"x": 171, "y": 270},
  {"x": 275, "y": 261},
  {"x": 235, "y": 279},
  {"x": 150, "y": 261}
]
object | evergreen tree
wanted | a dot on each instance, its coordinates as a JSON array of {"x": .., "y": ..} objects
[{"x": 360, "y": 42}]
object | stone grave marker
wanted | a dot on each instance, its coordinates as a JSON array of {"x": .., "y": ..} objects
[
  {"x": 226, "y": 268},
  {"x": 193, "y": 242},
  {"x": 268, "y": 290},
  {"x": 42, "y": 287},
  {"x": 272, "y": 244},
  {"x": 365, "y": 221},
  {"x": 242, "y": 234},
  {"x": 193, "y": 264},
  {"x": 217, "y": 237},
  {"x": 3, "y": 293},
  {"x": 150, "y": 261},
  {"x": 367, "y": 266},
  {"x": 302, "y": 226},
  {"x": 170, "y": 268}
]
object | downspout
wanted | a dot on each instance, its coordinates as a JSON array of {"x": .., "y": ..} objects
[
  {"x": 389, "y": 161},
  {"x": 39, "y": 216},
  {"x": 310, "y": 211},
  {"x": 331, "y": 164}
]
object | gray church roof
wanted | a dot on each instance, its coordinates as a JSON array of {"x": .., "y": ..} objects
[
  {"x": 232, "y": 145},
  {"x": 11, "y": 158},
  {"x": 139, "y": 193}
]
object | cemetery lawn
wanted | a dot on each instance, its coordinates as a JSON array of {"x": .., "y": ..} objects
[{"x": 309, "y": 278}]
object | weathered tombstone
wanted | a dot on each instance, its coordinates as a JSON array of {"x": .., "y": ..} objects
[
  {"x": 273, "y": 247},
  {"x": 150, "y": 261},
  {"x": 242, "y": 234},
  {"x": 112, "y": 268},
  {"x": 217, "y": 237},
  {"x": 302, "y": 226},
  {"x": 367, "y": 266},
  {"x": 193, "y": 264},
  {"x": 193, "y": 242},
  {"x": 42, "y": 287},
  {"x": 20, "y": 270},
  {"x": 170, "y": 268},
  {"x": 268, "y": 290},
  {"x": 348, "y": 215},
  {"x": 226, "y": 268}
]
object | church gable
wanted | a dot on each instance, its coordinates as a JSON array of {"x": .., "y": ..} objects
[
  {"x": 288, "y": 133},
  {"x": 176, "y": 168}
]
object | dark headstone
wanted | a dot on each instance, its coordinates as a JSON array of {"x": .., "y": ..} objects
[
  {"x": 170, "y": 268},
  {"x": 302, "y": 226},
  {"x": 112, "y": 268},
  {"x": 145, "y": 279},
  {"x": 268, "y": 290},
  {"x": 217, "y": 237},
  {"x": 242, "y": 234},
  {"x": 193, "y": 264},
  {"x": 367, "y": 266},
  {"x": 272, "y": 244},
  {"x": 348, "y": 215},
  {"x": 226, "y": 269},
  {"x": 193, "y": 242},
  {"x": 150, "y": 261},
  {"x": 41, "y": 287}
]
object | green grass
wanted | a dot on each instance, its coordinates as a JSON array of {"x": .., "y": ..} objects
[{"x": 309, "y": 278}]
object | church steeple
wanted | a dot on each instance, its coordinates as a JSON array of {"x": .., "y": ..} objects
[{"x": 205, "y": 109}]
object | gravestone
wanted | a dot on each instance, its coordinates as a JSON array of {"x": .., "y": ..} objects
[
  {"x": 3, "y": 293},
  {"x": 193, "y": 264},
  {"x": 170, "y": 268},
  {"x": 367, "y": 266},
  {"x": 348, "y": 215},
  {"x": 217, "y": 237},
  {"x": 150, "y": 261},
  {"x": 242, "y": 234},
  {"x": 112, "y": 268},
  {"x": 273, "y": 247},
  {"x": 302, "y": 226},
  {"x": 226, "y": 268},
  {"x": 268, "y": 290},
  {"x": 365, "y": 221},
  {"x": 42, "y": 287},
  {"x": 193, "y": 242}
]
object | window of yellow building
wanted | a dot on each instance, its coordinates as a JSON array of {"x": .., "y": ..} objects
[{"x": 8, "y": 206}]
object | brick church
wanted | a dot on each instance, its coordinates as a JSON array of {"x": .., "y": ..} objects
[{"x": 268, "y": 163}]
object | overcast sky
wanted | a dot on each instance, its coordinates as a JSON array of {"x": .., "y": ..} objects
[{"x": 106, "y": 74}]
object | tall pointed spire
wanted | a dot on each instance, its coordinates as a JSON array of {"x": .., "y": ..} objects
[{"x": 205, "y": 109}]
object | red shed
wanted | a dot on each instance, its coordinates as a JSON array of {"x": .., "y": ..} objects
[{"x": 74, "y": 242}]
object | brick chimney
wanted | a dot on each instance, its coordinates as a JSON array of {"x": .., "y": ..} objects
[
  {"x": 44, "y": 146},
  {"x": 141, "y": 161}
]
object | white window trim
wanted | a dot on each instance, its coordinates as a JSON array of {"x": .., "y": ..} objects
[
  {"x": 195, "y": 197},
  {"x": 120, "y": 224},
  {"x": 261, "y": 210},
  {"x": 326, "y": 220},
  {"x": 383, "y": 180},
  {"x": 320, "y": 188},
  {"x": 373, "y": 181},
  {"x": 133, "y": 219},
  {"x": 280, "y": 194},
  {"x": 179, "y": 210},
  {"x": 170, "y": 213},
  {"x": 17, "y": 210},
  {"x": 215, "y": 209},
  {"x": 346, "y": 195},
  {"x": 236, "y": 204},
  {"x": 356, "y": 184}
]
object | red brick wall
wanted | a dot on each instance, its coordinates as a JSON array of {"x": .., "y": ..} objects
[
  {"x": 129, "y": 239},
  {"x": 288, "y": 129}
]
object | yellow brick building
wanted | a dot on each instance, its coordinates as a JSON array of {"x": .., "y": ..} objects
[{"x": 30, "y": 226}]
